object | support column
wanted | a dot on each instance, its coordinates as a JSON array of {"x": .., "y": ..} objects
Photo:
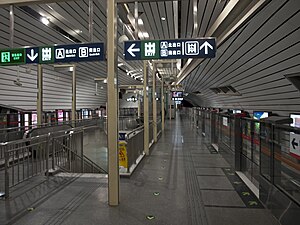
[
  {"x": 154, "y": 104},
  {"x": 12, "y": 25},
  {"x": 39, "y": 106},
  {"x": 162, "y": 105},
  {"x": 146, "y": 110},
  {"x": 112, "y": 106},
  {"x": 74, "y": 96},
  {"x": 170, "y": 105},
  {"x": 139, "y": 105}
]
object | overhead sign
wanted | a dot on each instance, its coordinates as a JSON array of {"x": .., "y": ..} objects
[
  {"x": 170, "y": 49},
  {"x": 14, "y": 56},
  {"x": 32, "y": 55},
  {"x": 52, "y": 54},
  {"x": 295, "y": 145}
]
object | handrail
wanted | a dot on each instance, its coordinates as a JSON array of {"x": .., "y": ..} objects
[{"x": 134, "y": 131}]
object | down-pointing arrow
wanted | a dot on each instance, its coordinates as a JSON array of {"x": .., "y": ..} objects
[
  {"x": 131, "y": 50},
  {"x": 33, "y": 56},
  {"x": 206, "y": 45},
  {"x": 294, "y": 143}
]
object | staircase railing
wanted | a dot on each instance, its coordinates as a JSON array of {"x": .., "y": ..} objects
[{"x": 26, "y": 158}]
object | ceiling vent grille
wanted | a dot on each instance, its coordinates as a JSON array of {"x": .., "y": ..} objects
[
  {"x": 225, "y": 90},
  {"x": 294, "y": 79}
]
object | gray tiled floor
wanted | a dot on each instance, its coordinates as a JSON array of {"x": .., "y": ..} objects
[
  {"x": 214, "y": 183},
  {"x": 193, "y": 191}
]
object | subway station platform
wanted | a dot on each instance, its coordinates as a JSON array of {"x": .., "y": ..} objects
[{"x": 183, "y": 182}]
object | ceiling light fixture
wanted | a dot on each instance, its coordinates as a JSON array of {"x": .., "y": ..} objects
[
  {"x": 45, "y": 20},
  {"x": 163, "y": 18},
  {"x": 140, "y": 22}
]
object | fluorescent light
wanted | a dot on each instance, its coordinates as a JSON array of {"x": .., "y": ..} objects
[
  {"x": 45, "y": 20},
  {"x": 78, "y": 31},
  {"x": 140, "y": 22},
  {"x": 145, "y": 34}
]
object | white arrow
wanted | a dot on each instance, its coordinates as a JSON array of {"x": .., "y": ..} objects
[
  {"x": 131, "y": 50},
  {"x": 33, "y": 56},
  {"x": 206, "y": 45}
]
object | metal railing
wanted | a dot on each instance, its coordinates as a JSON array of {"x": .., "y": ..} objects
[
  {"x": 26, "y": 158},
  {"x": 135, "y": 145},
  {"x": 16, "y": 133}
]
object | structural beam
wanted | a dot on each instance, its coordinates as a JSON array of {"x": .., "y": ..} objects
[
  {"x": 74, "y": 96},
  {"x": 39, "y": 106},
  {"x": 162, "y": 95},
  {"x": 112, "y": 106},
  {"x": 154, "y": 102},
  {"x": 146, "y": 110},
  {"x": 27, "y": 2}
]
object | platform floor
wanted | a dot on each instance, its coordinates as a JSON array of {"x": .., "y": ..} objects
[{"x": 182, "y": 182}]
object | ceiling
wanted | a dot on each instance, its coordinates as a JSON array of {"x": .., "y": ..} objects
[{"x": 227, "y": 20}]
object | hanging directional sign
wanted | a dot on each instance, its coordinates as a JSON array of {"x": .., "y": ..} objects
[
  {"x": 170, "y": 49},
  {"x": 52, "y": 54},
  {"x": 295, "y": 145},
  {"x": 32, "y": 55},
  {"x": 79, "y": 53},
  {"x": 14, "y": 56}
]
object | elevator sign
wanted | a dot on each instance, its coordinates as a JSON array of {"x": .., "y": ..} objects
[
  {"x": 52, "y": 54},
  {"x": 170, "y": 49}
]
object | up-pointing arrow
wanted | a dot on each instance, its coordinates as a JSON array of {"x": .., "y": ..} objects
[
  {"x": 131, "y": 50},
  {"x": 206, "y": 45},
  {"x": 33, "y": 56}
]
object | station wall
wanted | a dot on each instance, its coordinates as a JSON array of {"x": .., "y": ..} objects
[{"x": 255, "y": 61}]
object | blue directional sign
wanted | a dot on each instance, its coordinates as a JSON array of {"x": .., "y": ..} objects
[
  {"x": 53, "y": 54},
  {"x": 79, "y": 53},
  {"x": 170, "y": 49},
  {"x": 32, "y": 55}
]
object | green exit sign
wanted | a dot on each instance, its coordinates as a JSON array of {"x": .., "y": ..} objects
[{"x": 12, "y": 56}]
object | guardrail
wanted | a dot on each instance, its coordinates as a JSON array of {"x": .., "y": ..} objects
[
  {"x": 26, "y": 158},
  {"x": 15, "y": 133},
  {"x": 135, "y": 146}
]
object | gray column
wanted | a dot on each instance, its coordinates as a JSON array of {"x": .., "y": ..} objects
[
  {"x": 39, "y": 107},
  {"x": 146, "y": 110},
  {"x": 74, "y": 96}
]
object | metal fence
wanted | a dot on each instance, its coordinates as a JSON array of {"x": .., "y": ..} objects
[
  {"x": 16, "y": 133},
  {"x": 33, "y": 156},
  {"x": 135, "y": 146}
]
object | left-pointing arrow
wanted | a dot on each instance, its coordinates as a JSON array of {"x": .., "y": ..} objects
[
  {"x": 294, "y": 143},
  {"x": 206, "y": 45},
  {"x": 32, "y": 55},
  {"x": 131, "y": 50}
]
